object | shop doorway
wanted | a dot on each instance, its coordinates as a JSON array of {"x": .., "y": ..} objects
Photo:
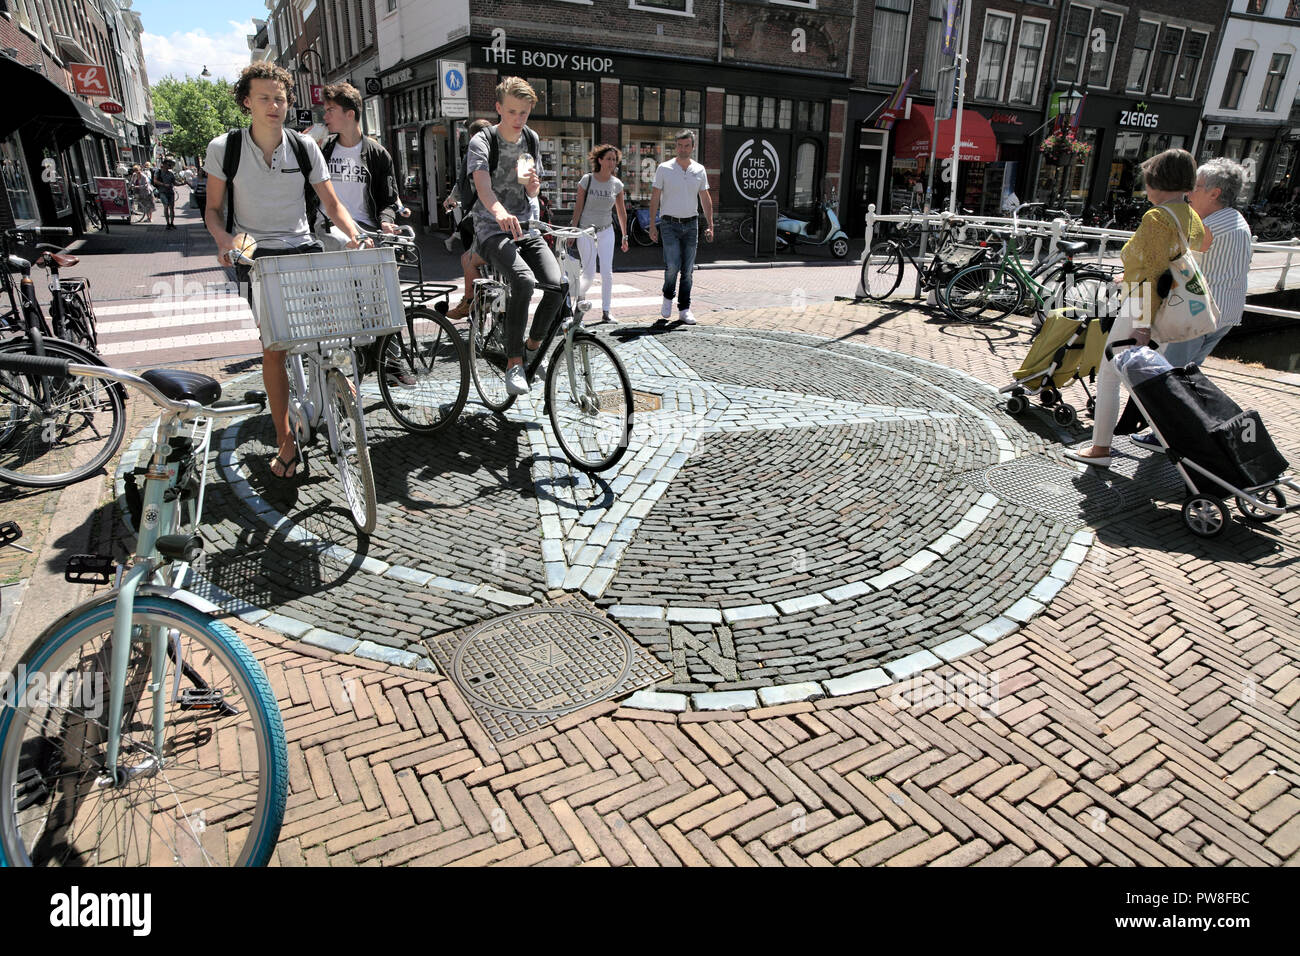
[{"x": 868, "y": 179}]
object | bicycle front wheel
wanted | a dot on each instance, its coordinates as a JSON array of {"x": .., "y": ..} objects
[
  {"x": 589, "y": 397},
  {"x": 746, "y": 230},
  {"x": 351, "y": 456},
  {"x": 424, "y": 372},
  {"x": 212, "y": 793},
  {"x": 56, "y": 431},
  {"x": 983, "y": 293},
  {"x": 487, "y": 353},
  {"x": 882, "y": 271}
]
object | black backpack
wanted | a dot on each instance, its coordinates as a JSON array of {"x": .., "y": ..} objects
[
  {"x": 494, "y": 157},
  {"x": 230, "y": 166}
]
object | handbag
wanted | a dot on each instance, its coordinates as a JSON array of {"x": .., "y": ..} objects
[{"x": 1188, "y": 312}]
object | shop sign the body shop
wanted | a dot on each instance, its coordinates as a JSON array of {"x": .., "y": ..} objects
[
  {"x": 754, "y": 166},
  {"x": 496, "y": 54}
]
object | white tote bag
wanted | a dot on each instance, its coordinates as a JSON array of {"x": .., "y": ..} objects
[{"x": 1188, "y": 312}]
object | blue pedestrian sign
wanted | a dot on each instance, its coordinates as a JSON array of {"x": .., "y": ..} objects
[
  {"x": 455, "y": 80},
  {"x": 453, "y": 92}
]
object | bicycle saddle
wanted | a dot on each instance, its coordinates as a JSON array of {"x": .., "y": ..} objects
[
  {"x": 180, "y": 385},
  {"x": 1072, "y": 248},
  {"x": 57, "y": 255}
]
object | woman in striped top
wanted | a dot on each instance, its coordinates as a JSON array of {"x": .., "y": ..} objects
[{"x": 1227, "y": 263}]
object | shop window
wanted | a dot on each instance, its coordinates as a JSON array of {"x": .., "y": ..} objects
[
  {"x": 564, "y": 148},
  {"x": 1277, "y": 68},
  {"x": 750, "y": 116},
  {"x": 934, "y": 58},
  {"x": 1100, "y": 64},
  {"x": 539, "y": 87},
  {"x": 1189, "y": 65},
  {"x": 732, "y": 117},
  {"x": 888, "y": 41},
  {"x": 1293, "y": 10},
  {"x": 18, "y": 186},
  {"x": 1144, "y": 43},
  {"x": 993, "y": 55},
  {"x": 644, "y": 148},
  {"x": 1029, "y": 59},
  {"x": 806, "y": 173},
  {"x": 801, "y": 114},
  {"x": 1162, "y": 71},
  {"x": 1238, "y": 70},
  {"x": 650, "y": 105},
  {"x": 672, "y": 106},
  {"x": 584, "y": 99},
  {"x": 1256, "y": 6},
  {"x": 631, "y": 102},
  {"x": 673, "y": 6},
  {"x": 561, "y": 98},
  {"x": 768, "y": 119},
  {"x": 817, "y": 116},
  {"x": 691, "y": 108},
  {"x": 1076, "y": 43},
  {"x": 785, "y": 114}
]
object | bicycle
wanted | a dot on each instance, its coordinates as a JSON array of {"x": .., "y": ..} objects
[
  {"x": 424, "y": 373},
  {"x": 638, "y": 224},
  {"x": 92, "y": 211},
  {"x": 141, "y": 731},
  {"x": 318, "y": 308},
  {"x": 988, "y": 291},
  {"x": 52, "y": 433},
  {"x": 883, "y": 265},
  {"x": 587, "y": 394}
]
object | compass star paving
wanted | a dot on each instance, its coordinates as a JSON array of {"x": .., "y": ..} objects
[{"x": 797, "y": 518}]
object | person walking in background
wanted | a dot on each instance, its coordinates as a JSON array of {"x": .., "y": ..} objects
[
  {"x": 682, "y": 186},
  {"x": 600, "y": 195},
  {"x": 166, "y": 180},
  {"x": 460, "y": 202},
  {"x": 142, "y": 189},
  {"x": 1168, "y": 177}
]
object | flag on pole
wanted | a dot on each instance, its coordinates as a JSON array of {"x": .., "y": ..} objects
[
  {"x": 894, "y": 108},
  {"x": 951, "y": 31},
  {"x": 1078, "y": 114}
]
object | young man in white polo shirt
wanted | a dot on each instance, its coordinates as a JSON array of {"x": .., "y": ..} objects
[
  {"x": 270, "y": 204},
  {"x": 681, "y": 187}
]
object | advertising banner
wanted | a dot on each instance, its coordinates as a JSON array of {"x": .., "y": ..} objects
[{"x": 113, "y": 196}]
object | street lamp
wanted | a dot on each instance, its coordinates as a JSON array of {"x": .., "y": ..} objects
[
  {"x": 319, "y": 71},
  {"x": 205, "y": 74}
]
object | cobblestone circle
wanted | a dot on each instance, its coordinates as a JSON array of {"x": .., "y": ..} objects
[{"x": 800, "y": 517}]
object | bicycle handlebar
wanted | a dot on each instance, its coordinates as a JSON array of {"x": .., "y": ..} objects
[
  {"x": 46, "y": 365},
  {"x": 562, "y": 232}
]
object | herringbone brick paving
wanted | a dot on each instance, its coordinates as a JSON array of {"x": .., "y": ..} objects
[{"x": 1150, "y": 717}]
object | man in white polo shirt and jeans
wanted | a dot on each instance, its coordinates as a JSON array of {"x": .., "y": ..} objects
[{"x": 681, "y": 187}]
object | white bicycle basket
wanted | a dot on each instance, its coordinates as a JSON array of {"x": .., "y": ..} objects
[{"x": 327, "y": 297}]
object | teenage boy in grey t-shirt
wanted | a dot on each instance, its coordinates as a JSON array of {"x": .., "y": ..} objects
[{"x": 504, "y": 200}]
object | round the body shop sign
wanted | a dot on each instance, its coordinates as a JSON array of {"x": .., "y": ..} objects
[{"x": 755, "y": 169}]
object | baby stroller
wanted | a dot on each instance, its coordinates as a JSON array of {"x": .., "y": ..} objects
[
  {"x": 1066, "y": 349},
  {"x": 1217, "y": 448}
]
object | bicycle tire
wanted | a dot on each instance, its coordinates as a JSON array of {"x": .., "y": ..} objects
[
  {"x": 1088, "y": 291},
  {"x": 434, "y": 356},
  {"x": 351, "y": 456},
  {"x": 746, "y": 230},
  {"x": 640, "y": 233},
  {"x": 487, "y": 354},
  {"x": 81, "y": 422},
  {"x": 882, "y": 271},
  {"x": 183, "y": 812},
  {"x": 593, "y": 428},
  {"x": 983, "y": 293}
]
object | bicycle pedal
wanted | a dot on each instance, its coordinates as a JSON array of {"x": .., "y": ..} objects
[
  {"x": 9, "y": 531},
  {"x": 89, "y": 569},
  {"x": 193, "y": 698}
]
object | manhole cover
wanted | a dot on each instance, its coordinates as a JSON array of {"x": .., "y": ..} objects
[
  {"x": 1050, "y": 489},
  {"x": 523, "y": 671},
  {"x": 646, "y": 402}
]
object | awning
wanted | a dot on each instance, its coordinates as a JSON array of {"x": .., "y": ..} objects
[
  {"x": 979, "y": 144},
  {"x": 44, "y": 101}
]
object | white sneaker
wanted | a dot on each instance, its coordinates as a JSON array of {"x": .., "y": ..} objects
[
  {"x": 666, "y": 310},
  {"x": 516, "y": 383},
  {"x": 686, "y": 317}
]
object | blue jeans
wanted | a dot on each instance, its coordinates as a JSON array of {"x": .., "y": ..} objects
[
  {"x": 1195, "y": 350},
  {"x": 680, "y": 240}
]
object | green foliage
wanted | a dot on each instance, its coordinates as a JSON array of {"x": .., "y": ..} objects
[{"x": 199, "y": 110}]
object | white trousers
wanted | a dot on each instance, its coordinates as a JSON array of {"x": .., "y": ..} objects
[
  {"x": 604, "y": 248},
  {"x": 1106, "y": 414}
]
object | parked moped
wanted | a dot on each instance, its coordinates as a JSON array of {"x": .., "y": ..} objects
[{"x": 822, "y": 230}]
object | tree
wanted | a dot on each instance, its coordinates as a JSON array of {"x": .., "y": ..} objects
[{"x": 199, "y": 111}]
